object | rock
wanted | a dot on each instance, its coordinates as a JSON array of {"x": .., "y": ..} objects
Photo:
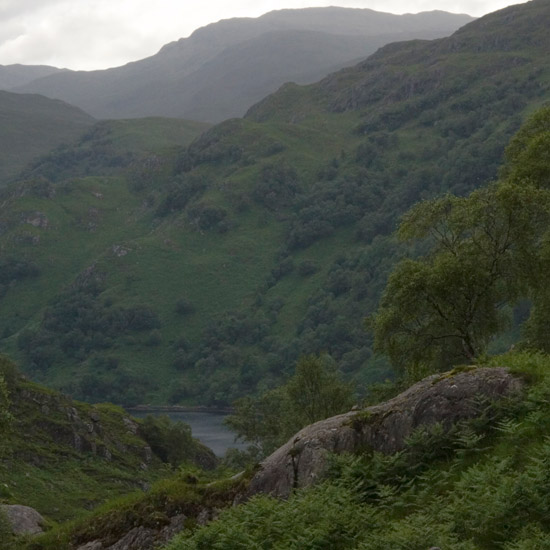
[
  {"x": 139, "y": 538},
  {"x": 94, "y": 545},
  {"x": 441, "y": 398},
  {"x": 37, "y": 219},
  {"x": 177, "y": 524},
  {"x": 23, "y": 519},
  {"x": 119, "y": 250},
  {"x": 131, "y": 425}
]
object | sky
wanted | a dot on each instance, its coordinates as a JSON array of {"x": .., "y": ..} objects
[{"x": 97, "y": 34}]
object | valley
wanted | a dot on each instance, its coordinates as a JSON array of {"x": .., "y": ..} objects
[{"x": 353, "y": 264}]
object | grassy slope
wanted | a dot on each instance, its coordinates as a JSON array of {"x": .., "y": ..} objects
[
  {"x": 415, "y": 120},
  {"x": 42, "y": 468},
  {"x": 64, "y": 457}
]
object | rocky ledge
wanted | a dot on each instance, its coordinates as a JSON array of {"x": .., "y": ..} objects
[{"x": 439, "y": 399}]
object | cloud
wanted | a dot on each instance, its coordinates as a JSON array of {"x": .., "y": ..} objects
[{"x": 81, "y": 34}]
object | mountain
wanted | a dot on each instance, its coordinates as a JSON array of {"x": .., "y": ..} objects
[
  {"x": 200, "y": 274},
  {"x": 223, "y": 68},
  {"x": 32, "y": 125},
  {"x": 19, "y": 75}
]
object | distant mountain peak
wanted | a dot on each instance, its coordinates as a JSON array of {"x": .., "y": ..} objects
[{"x": 224, "y": 68}]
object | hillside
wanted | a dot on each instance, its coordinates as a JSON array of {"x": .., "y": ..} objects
[
  {"x": 63, "y": 457},
  {"x": 458, "y": 460},
  {"x": 222, "y": 69},
  {"x": 201, "y": 274},
  {"x": 32, "y": 126}
]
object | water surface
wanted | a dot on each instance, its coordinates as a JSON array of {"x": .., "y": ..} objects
[{"x": 208, "y": 427}]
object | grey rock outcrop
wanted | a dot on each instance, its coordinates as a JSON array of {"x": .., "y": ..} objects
[
  {"x": 24, "y": 520},
  {"x": 147, "y": 538},
  {"x": 94, "y": 545},
  {"x": 439, "y": 399}
]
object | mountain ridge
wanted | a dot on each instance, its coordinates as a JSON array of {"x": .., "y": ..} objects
[{"x": 141, "y": 88}]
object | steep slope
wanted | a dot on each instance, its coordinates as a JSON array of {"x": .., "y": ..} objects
[
  {"x": 33, "y": 125},
  {"x": 220, "y": 70},
  {"x": 202, "y": 274}
]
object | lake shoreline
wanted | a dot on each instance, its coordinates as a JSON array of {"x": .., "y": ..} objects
[
  {"x": 206, "y": 423},
  {"x": 180, "y": 409}
]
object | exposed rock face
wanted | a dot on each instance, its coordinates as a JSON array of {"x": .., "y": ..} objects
[
  {"x": 146, "y": 538},
  {"x": 23, "y": 519},
  {"x": 444, "y": 399},
  {"x": 82, "y": 430}
]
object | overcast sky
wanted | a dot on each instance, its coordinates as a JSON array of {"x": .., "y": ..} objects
[{"x": 96, "y": 34}]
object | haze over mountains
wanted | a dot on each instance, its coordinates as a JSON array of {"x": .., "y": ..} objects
[
  {"x": 223, "y": 68},
  {"x": 12, "y": 76}
]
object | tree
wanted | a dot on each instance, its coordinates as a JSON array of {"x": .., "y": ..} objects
[
  {"x": 443, "y": 308},
  {"x": 314, "y": 392},
  {"x": 485, "y": 250},
  {"x": 528, "y": 160},
  {"x": 171, "y": 441},
  {"x": 5, "y": 416}
]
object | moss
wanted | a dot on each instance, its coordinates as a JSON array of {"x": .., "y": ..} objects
[{"x": 453, "y": 372}]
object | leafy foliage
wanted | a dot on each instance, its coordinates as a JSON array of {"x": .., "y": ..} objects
[
  {"x": 172, "y": 442},
  {"x": 485, "y": 251},
  {"x": 313, "y": 393}
]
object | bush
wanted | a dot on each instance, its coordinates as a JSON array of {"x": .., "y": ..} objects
[
  {"x": 171, "y": 441},
  {"x": 184, "y": 306}
]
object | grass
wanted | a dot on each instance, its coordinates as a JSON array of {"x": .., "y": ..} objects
[
  {"x": 165, "y": 499},
  {"x": 43, "y": 467}
]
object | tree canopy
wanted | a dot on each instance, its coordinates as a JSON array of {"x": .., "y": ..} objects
[
  {"x": 483, "y": 251},
  {"x": 314, "y": 392}
]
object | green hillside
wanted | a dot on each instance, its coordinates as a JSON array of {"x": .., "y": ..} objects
[
  {"x": 32, "y": 125},
  {"x": 63, "y": 457},
  {"x": 201, "y": 274},
  {"x": 458, "y": 460}
]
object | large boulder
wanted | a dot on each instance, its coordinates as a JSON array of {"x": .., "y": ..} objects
[
  {"x": 439, "y": 399},
  {"x": 23, "y": 519}
]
